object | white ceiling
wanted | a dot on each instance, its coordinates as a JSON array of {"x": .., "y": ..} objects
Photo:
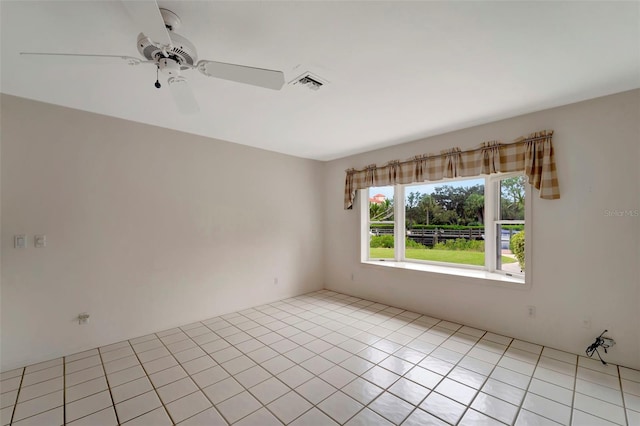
[{"x": 398, "y": 71}]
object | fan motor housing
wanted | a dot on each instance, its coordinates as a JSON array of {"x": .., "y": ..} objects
[{"x": 181, "y": 50}]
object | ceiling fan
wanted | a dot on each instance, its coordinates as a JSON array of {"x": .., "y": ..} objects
[{"x": 172, "y": 53}]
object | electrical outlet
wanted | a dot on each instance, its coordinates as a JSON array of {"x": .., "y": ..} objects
[
  {"x": 40, "y": 241},
  {"x": 608, "y": 342},
  {"x": 531, "y": 311}
]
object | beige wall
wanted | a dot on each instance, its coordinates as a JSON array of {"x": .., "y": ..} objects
[
  {"x": 584, "y": 264},
  {"x": 145, "y": 232},
  {"x": 147, "y": 229}
]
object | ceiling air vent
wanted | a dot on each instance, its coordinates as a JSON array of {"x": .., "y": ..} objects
[{"x": 309, "y": 80}]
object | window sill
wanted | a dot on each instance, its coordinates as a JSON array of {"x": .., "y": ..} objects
[{"x": 494, "y": 277}]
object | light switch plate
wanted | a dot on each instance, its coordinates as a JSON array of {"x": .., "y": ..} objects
[
  {"x": 20, "y": 241},
  {"x": 40, "y": 241}
]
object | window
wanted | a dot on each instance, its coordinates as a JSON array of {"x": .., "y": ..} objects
[
  {"x": 473, "y": 223},
  {"x": 381, "y": 223},
  {"x": 509, "y": 225}
]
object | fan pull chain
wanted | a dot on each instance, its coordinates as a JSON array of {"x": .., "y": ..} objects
[{"x": 158, "y": 85}]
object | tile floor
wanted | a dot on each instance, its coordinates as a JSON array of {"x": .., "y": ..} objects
[{"x": 323, "y": 358}]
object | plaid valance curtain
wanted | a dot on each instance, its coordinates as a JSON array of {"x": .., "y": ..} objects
[{"x": 532, "y": 155}]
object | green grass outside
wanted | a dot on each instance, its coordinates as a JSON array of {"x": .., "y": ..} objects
[{"x": 449, "y": 256}]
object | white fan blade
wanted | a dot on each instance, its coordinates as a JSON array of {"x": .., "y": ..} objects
[
  {"x": 86, "y": 59},
  {"x": 270, "y": 79},
  {"x": 183, "y": 95},
  {"x": 146, "y": 15}
]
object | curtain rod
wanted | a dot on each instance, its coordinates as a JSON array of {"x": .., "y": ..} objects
[{"x": 455, "y": 152}]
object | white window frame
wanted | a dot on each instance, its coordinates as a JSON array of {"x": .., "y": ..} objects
[
  {"x": 494, "y": 213},
  {"x": 492, "y": 210}
]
